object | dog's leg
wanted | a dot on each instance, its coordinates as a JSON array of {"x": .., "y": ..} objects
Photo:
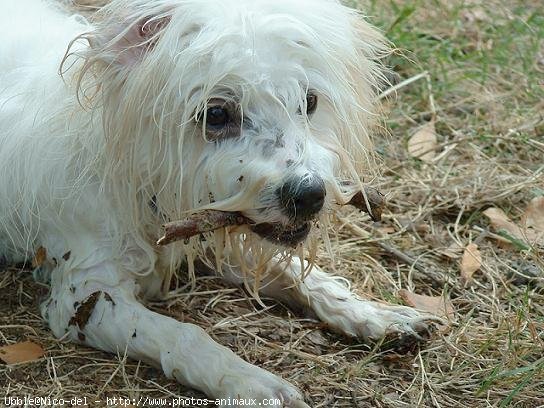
[
  {"x": 97, "y": 306},
  {"x": 335, "y": 304}
]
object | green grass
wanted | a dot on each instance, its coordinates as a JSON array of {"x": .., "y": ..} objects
[{"x": 497, "y": 56}]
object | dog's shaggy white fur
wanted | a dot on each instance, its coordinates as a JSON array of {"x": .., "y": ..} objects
[{"x": 161, "y": 108}]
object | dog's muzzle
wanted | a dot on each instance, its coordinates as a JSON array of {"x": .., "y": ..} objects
[
  {"x": 281, "y": 235},
  {"x": 301, "y": 200}
]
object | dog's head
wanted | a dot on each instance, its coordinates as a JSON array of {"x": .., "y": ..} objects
[{"x": 257, "y": 106}]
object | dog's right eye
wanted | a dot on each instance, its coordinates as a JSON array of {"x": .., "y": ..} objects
[{"x": 217, "y": 117}]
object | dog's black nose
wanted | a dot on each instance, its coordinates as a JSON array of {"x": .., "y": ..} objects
[{"x": 302, "y": 198}]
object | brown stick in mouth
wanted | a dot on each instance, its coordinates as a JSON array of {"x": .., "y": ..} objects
[
  {"x": 205, "y": 221},
  {"x": 211, "y": 220}
]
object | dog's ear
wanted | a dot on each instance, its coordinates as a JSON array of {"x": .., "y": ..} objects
[
  {"x": 369, "y": 72},
  {"x": 125, "y": 39},
  {"x": 366, "y": 77}
]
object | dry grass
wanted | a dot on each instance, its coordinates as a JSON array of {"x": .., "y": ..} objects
[{"x": 485, "y": 64}]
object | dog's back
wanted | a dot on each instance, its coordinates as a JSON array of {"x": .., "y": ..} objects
[
  {"x": 35, "y": 32},
  {"x": 34, "y": 40}
]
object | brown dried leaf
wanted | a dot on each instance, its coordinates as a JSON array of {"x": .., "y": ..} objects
[
  {"x": 423, "y": 143},
  {"x": 39, "y": 257},
  {"x": 437, "y": 305},
  {"x": 500, "y": 221},
  {"x": 470, "y": 262},
  {"x": 534, "y": 214},
  {"x": 21, "y": 352}
]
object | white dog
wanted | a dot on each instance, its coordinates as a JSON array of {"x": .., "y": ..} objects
[{"x": 162, "y": 108}]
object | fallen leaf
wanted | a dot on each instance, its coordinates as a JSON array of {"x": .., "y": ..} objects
[
  {"x": 437, "y": 305},
  {"x": 534, "y": 214},
  {"x": 470, "y": 262},
  {"x": 39, "y": 257},
  {"x": 500, "y": 221},
  {"x": 423, "y": 143},
  {"x": 20, "y": 352}
]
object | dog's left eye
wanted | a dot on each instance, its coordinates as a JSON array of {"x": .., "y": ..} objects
[{"x": 217, "y": 117}]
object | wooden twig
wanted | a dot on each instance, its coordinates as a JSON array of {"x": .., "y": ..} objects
[
  {"x": 371, "y": 201},
  {"x": 205, "y": 221}
]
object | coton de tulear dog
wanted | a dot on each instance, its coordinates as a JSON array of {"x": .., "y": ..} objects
[{"x": 160, "y": 109}]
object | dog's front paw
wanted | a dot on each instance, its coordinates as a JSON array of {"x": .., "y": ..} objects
[
  {"x": 400, "y": 327},
  {"x": 255, "y": 387}
]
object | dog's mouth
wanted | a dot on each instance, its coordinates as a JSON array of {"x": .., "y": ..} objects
[
  {"x": 371, "y": 201},
  {"x": 288, "y": 236},
  {"x": 211, "y": 220}
]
